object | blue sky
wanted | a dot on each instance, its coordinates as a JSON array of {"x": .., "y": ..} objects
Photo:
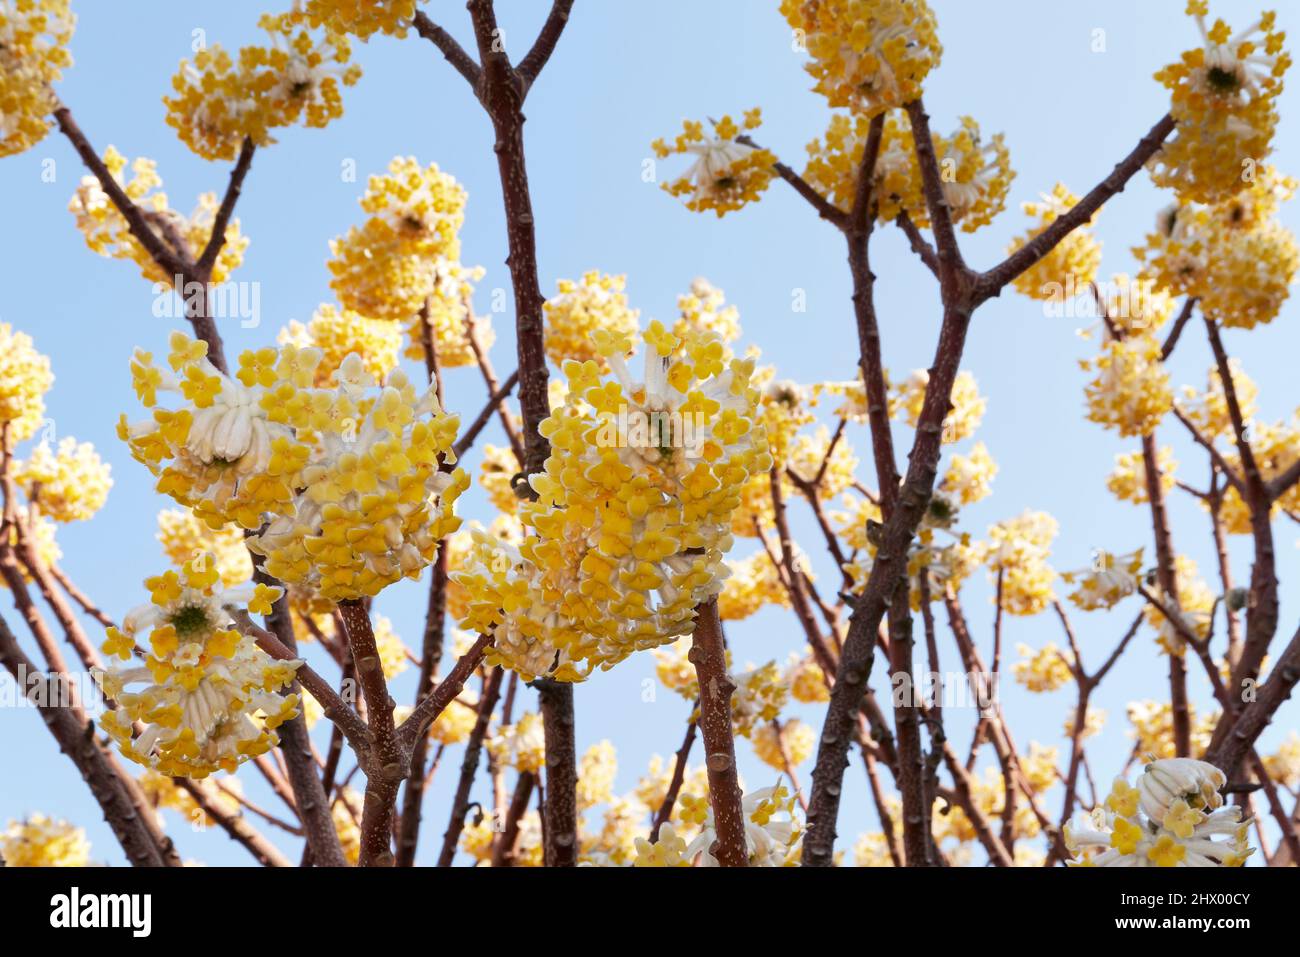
[{"x": 624, "y": 74}]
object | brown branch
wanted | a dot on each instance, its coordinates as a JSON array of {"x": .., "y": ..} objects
[
  {"x": 710, "y": 659},
  {"x": 535, "y": 59},
  {"x": 452, "y": 50},
  {"x": 560, "y": 847},
  {"x": 217, "y": 239},
  {"x": 506, "y": 850},
  {"x": 1251, "y": 721},
  {"x": 1184, "y": 314},
  {"x": 234, "y": 824},
  {"x": 494, "y": 402},
  {"x": 991, "y": 282},
  {"x": 664, "y": 812},
  {"x": 919, "y": 244},
  {"x": 468, "y": 767},
  {"x": 432, "y": 704},
  {"x": 825, "y": 208}
]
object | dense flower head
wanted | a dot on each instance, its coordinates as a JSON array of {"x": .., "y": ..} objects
[
  {"x": 219, "y": 100},
  {"x": 1108, "y": 580},
  {"x": 69, "y": 485},
  {"x": 597, "y": 769},
  {"x": 969, "y": 478},
  {"x": 455, "y": 722},
  {"x": 338, "y": 333},
  {"x": 1174, "y": 817},
  {"x": 1192, "y": 605},
  {"x": 796, "y": 743},
  {"x": 40, "y": 841},
  {"x": 1134, "y": 306},
  {"x": 162, "y": 792},
  {"x": 211, "y": 698},
  {"x": 962, "y": 419},
  {"x": 522, "y": 745},
  {"x": 106, "y": 231},
  {"x": 1019, "y": 551},
  {"x": 704, "y": 310},
  {"x": 1153, "y": 728},
  {"x": 1130, "y": 392},
  {"x": 1073, "y": 261},
  {"x": 578, "y": 309},
  {"x": 1275, "y": 446},
  {"x": 350, "y": 476},
  {"x": 1128, "y": 480},
  {"x": 25, "y": 377},
  {"x": 633, "y": 510},
  {"x": 363, "y": 18},
  {"x": 184, "y": 536},
  {"x": 405, "y": 256},
  {"x": 867, "y": 55},
  {"x": 773, "y": 834},
  {"x": 751, "y": 583},
  {"x": 496, "y": 475},
  {"x": 34, "y": 37},
  {"x": 726, "y": 173},
  {"x": 1044, "y": 670},
  {"x": 1223, "y": 101},
  {"x": 1235, "y": 257},
  {"x": 760, "y": 695}
]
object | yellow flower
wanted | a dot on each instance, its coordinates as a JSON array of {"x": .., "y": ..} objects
[
  {"x": 454, "y": 724},
  {"x": 184, "y": 537},
  {"x": 1110, "y": 579},
  {"x": 760, "y": 695},
  {"x": 596, "y": 771},
  {"x": 1128, "y": 481},
  {"x": 1019, "y": 552},
  {"x": 970, "y": 477},
  {"x": 1131, "y": 391},
  {"x": 1193, "y": 603},
  {"x": 726, "y": 173},
  {"x": 220, "y": 99},
  {"x": 580, "y": 308},
  {"x": 797, "y": 739},
  {"x": 868, "y": 56},
  {"x": 1153, "y": 725},
  {"x": 24, "y": 379},
  {"x": 1166, "y": 852},
  {"x": 362, "y": 18},
  {"x": 1123, "y": 798},
  {"x": 40, "y": 841},
  {"x": 962, "y": 419},
  {"x": 1223, "y": 100},
  {"x": 70, "y": 485},
  {"x": 211, "y": 698},
  {"x": 807, "y": 681},
  {"x": 1043, "y": 670},
  {"x": 34, "y": 37},
  {"x": 753, "y": 582},
  {"x": 521, "y": 745},
  {"x": 704, "y": 310},
  {"x": 338, "y": 333},
  {"x": 1072, "y": 263}
]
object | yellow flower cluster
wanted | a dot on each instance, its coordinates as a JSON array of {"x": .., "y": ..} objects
[
  {"x": 1223, "y": 100},
  {"x": 1094, "y": 719},
  {"x": 633, "y": 511},
  {"x": 804, "y": 458},
  {"x": 219, "y": 100},
  {"x": 1135, "y": 306},
  {"x": 1153, "y": 728},
  {"x": 1130, "y": 392},
  {"x": 851, "y": 524},
  {"x": 1044, "y": 670},
  {"x": 1128, "y": 481},
  {"x": 867, "y": 55},
  {"x": 798, "y": 741},
  {"x": 42, "y": 539},
  {"x": 1170, "y": 819},
  {"x": 407, "y": 249},
  {"x": 211, "y": 698},
  {"x": 350, "y": 475},
  {"x": 448, "y": 311},
  {"x": 806, "y": 680},
  {"x": 34, "y": 37},
  {"x": 362, "y": 18},
  {"x": 162, "y": 792},
  {"x": 976, "y": 174},
  {"x": 726, "y": 173},
  {"x": 69, "y": 485},
  {"x": 580, "y": 308},
  {"x": 1076, "y": 257},
  {"x": 962, "y": 419},
  {"x": 704, "y": 310},
  {"x": 597, "y": 769},
  {"x": 1110, "y": 579},
  {"x": 1018, "y": 552},
  {"x": 521, "y": 745},
  {"x": 773, "y": 834},
  {"x": 454, "y": 724},
  {"x": 25, "y": 377},
  {"x": 496, "y": 475},
  {"x": 40, "y": 841},
  {"x": 106, "y": 231},
  {"x": 1276, "y": 446},
  {"x": 760, "y": 695},
  {"x": 1208, "y": 410},
  {"x": 338, "y": 333},
  {"x": 970, "y": 477},
  {"x": 183, "y": 537},
  {"x": 1236, "y": 257},
  {"x": 346, "y": 812},
  {"x": 675, "y": 671},
  {"x": 751, "y": 583}
]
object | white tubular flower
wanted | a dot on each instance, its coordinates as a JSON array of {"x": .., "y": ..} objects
[
  {"x": 1167, "y": 781},
  {"x": 772, "y": 833},
  {"x": 211, "y": 698}
]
